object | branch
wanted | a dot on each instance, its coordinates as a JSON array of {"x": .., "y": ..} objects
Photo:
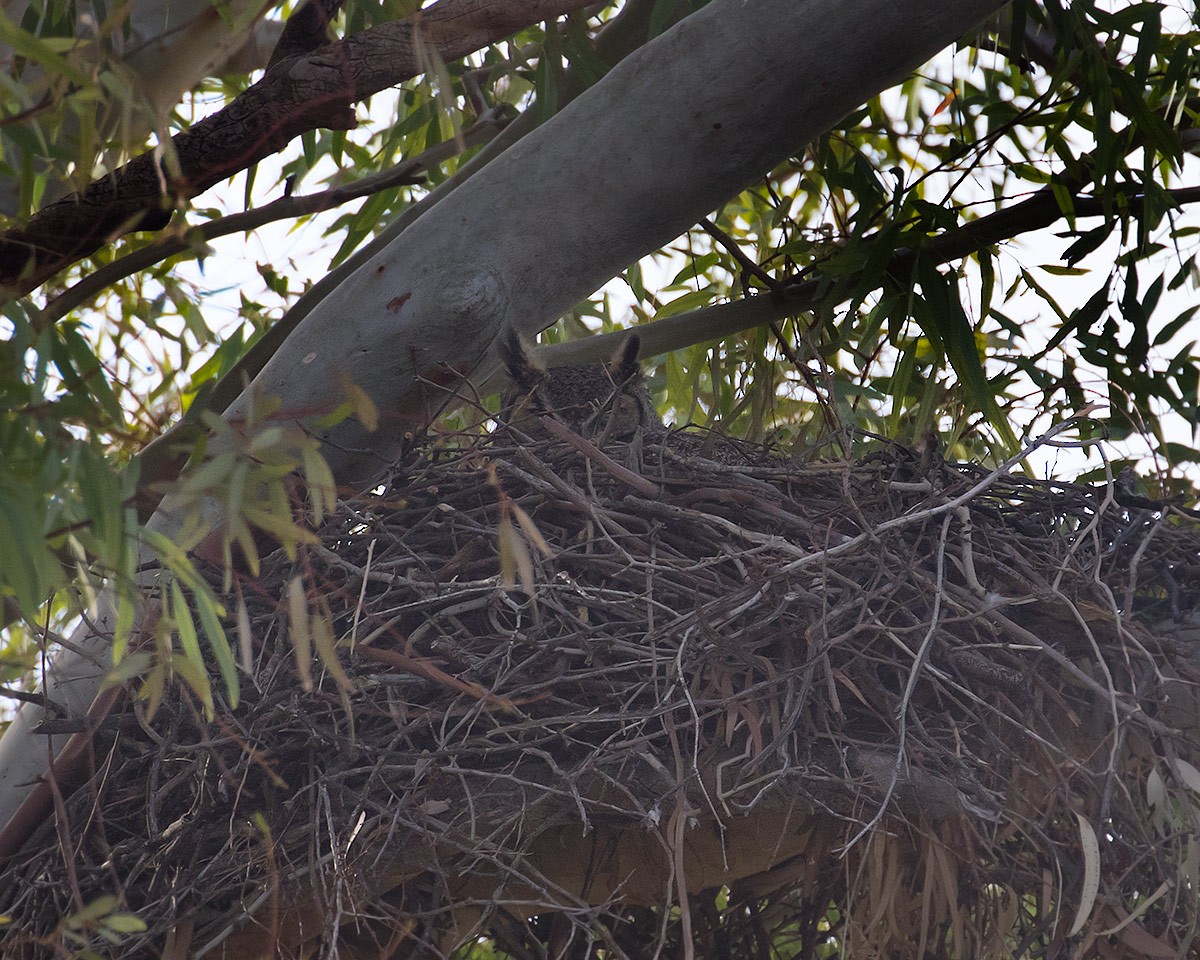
[
  {"x": 725, "y": 319},
  {"x": 1038, "y": 211},
  {"x": 285, "y": 208},
  {"x": 622, "y": 35},
  {"x": 163, "y": 459},
  {"x": 293, "y": 97},
  {"x": 307, "y": 29}
]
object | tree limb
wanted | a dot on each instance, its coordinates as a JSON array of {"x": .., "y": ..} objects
[
  {"x": 1037, "y": 212},
  {"x": 285, "y": 208},
  {"x": 163, "y": 459},
  {"x": 293, "y": 97},
  {"x": 307, "y": 29}
]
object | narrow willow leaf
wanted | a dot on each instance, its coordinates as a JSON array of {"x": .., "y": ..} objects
[
  {"x": 210, "y": 621},
  {"x": 190, "y": 665},
  {"x": 298, "y": 629},
  {"x": 321, "y": 626}
]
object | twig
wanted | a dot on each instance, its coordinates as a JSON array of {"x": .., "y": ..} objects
[{"x": 406, "y": 172}]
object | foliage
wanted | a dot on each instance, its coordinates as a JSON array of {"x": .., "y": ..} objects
[
  {"x": 1089, "y": 102},
  {"x": 943, "y": 349}
]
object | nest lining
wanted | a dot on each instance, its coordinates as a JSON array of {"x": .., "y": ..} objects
[{"x": 724, "y": 700}]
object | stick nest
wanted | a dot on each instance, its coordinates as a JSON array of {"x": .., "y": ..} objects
[{"x": 679, "y": 695}]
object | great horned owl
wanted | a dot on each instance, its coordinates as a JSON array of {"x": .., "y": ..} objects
[{"x": 593, "y": 399}]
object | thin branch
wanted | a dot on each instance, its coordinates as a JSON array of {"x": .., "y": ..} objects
[
  {"x": 24, "y": 696},
  {"x": 406, "y": 172},
  {"x": 750, "y": 268},
  {"x": 725, "y": 319},
  {"x": 293, "y": 97}
]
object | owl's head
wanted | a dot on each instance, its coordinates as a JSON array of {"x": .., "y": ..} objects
[{"x": 593, "y": 399}]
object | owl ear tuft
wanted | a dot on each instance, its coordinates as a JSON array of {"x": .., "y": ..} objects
[
  {"x": 526, "y": 373},
  {"x": 623, "y": 366}
]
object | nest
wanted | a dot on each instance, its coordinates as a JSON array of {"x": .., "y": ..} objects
[{"x": 677, "y": 695}]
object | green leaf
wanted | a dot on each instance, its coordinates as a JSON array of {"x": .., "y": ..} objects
[
  {"x": 362, "y": 226},
  {"x": 1168, "y": 332},
  {"x": 322, "y": 490},
  {"x": 28, "y": 568},
  {"x": 125, "y": 923},
  {"x": 40, "y": 51},
  {"x": 1088, "y": 242},
  {"x": 692, "y": 300},
  {"x": 195, "y": 676},
  {"x": 99, "y": 907},
  {"x": 579, "y": 49},
  {"x": 129, "y": 668},
  {"x": 956, "y": 333},
  {"x": 210, "y": 621},
  {"x": 321, "y": 627},
  {"x": 546, "y": 86},
  {"x": 91, "y": 372},
  {"x": 299, "y": 632},
  {"x": 100, "y": 489},
  {"x": 1081, "y": 319},
  {"x": 182, "y": 616},
  {"x": 1061, "y": 271}
]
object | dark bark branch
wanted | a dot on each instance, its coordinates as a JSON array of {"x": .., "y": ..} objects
[
  {"x": 295, "y": 96},
  {"x": 307, "y": 29},
  {"x": 286, "y": 208},
  {"x": 1038, "y": 211}
]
